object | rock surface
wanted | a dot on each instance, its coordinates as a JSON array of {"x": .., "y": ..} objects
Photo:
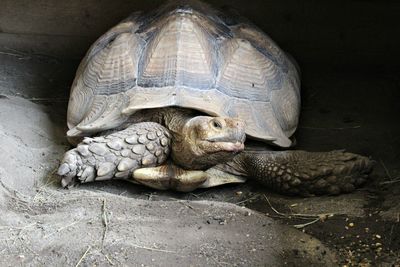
[{"x": 41, "y": 224}]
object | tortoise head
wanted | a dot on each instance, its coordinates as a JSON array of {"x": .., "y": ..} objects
[{"x": 207, "y": 141}]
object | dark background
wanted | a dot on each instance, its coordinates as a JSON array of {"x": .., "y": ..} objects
[{"x": 358, "y": 34}]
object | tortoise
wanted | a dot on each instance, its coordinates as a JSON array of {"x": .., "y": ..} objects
[{"x": 167, "y": 99}]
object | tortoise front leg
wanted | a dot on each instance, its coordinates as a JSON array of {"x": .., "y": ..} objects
[
  {"x": 305, "y": 173},
  {"x": 116, "y": 155}
]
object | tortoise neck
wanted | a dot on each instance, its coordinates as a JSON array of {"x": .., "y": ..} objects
[
  {"x": 174, "y": 118},
  {"x": 177, "y": 120}
]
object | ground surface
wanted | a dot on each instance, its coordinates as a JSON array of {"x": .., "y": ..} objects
[
  {"x": 120, "y": 223},
  {"x": 42, "y": 224}
]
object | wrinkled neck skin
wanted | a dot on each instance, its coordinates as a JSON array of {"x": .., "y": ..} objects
[
  {"x": 177, "y": 121},
  {"x": 188, "y": 148},
  {"x": 171, "y": 116},
  {"x": 189, "y": 153}
]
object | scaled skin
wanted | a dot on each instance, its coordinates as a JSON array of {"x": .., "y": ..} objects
[
  {"x": 206, "y": 141},
  {"x": 195, "y": 143},
  {"x": 198, "y": 142}
]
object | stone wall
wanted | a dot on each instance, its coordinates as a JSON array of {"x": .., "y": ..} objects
[{"x": 341, "y": 34}]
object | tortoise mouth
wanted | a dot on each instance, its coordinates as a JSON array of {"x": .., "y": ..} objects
[
  {"x": 224, "y": 140},
  {"x": 232, "y": 146}
]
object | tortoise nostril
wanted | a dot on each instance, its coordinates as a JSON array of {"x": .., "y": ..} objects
[{"x": 239, "y": 124}]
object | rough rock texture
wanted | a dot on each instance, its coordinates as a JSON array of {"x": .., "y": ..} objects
[
  {"x": 28, "y": 151},
  {"x": 41, "y": 224}
]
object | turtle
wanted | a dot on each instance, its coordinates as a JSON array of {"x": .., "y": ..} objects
[{"x": 187, "y": 97}]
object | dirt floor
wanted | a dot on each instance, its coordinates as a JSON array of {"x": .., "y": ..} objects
[{"x": 117, "y": 223}]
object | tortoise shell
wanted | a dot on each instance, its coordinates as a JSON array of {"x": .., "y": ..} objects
[{"x": 190, "y": 56}]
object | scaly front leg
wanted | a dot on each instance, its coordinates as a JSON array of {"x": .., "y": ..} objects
[{"x": 116, "y": 155}]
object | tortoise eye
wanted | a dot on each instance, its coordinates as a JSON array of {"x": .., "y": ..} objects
[{"x": 216, "y": 124}]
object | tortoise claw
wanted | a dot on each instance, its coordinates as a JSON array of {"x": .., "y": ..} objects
[{"x": 70, "y": 168}]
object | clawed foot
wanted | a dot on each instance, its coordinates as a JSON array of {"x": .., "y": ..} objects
[
  {"x": 115, "y": 155},
  {"x": 80, "y": 165},
  {"x": 71, "y": 165},
  {"x": 338, "y": 172}
]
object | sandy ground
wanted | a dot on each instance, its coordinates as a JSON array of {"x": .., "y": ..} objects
[
  {"x": 123, "y": 224},
  {"x": 41, "y": 224}
]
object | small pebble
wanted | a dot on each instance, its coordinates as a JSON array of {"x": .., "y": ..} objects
[{"x": 351, "y": 224}]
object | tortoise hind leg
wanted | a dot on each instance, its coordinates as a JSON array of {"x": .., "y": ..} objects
[
  {"x": 115, "y": 155},
  {"x": 306, "y": 173},
  {"x": 170, "y": 176}
]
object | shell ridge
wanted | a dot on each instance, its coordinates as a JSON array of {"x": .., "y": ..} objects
[{"x": 178, "y": 54}]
